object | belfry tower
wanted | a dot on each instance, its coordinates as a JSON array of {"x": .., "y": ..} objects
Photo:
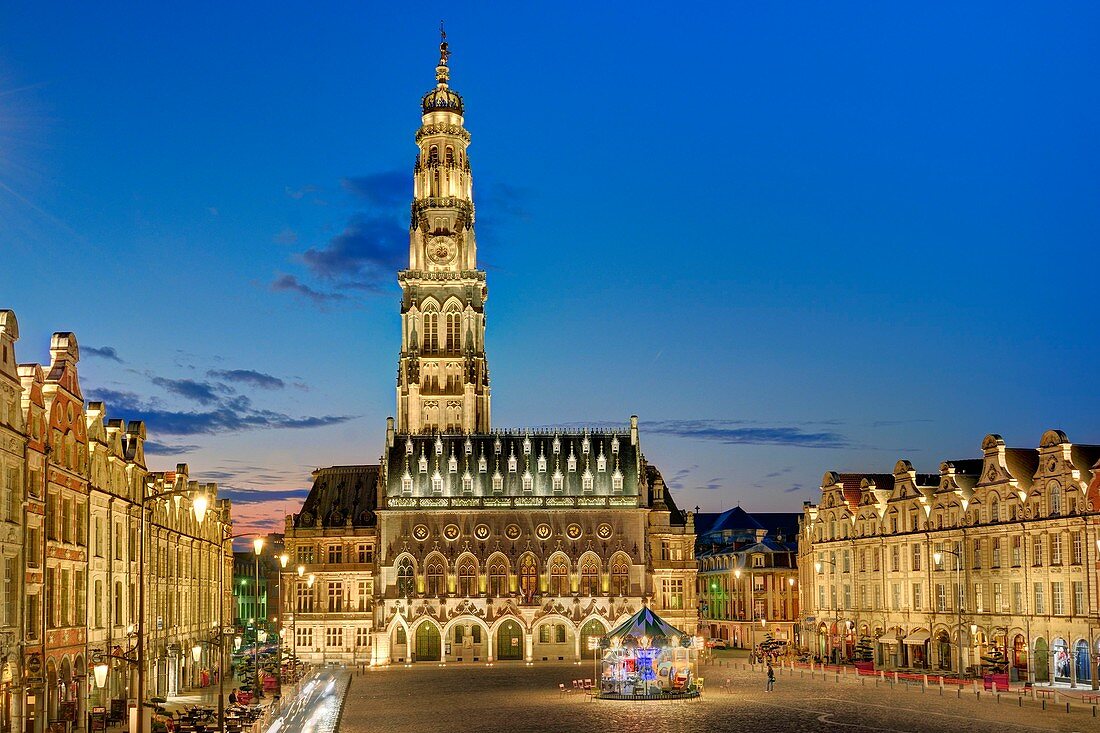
[{"x": 442, "y": 376}]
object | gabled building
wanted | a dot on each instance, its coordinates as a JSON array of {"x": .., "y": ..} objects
[
  {"x": 943, "y": 571},
  {"x": 748, "y": 577}
]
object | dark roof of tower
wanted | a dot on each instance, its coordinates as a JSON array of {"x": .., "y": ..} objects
[{"x": 341, "y": 496}]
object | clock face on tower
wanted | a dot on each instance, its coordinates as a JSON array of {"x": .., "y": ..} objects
[{"x": 441, "y": 250}]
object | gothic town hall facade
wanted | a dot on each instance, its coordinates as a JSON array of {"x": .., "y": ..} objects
[{"x": 465, "y": 543}]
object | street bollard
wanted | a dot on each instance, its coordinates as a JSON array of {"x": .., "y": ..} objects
[
  {"x": 1067, "y": 707},
  {"x": 924, "y": 681},
  {"x": 895, "y": 678}
]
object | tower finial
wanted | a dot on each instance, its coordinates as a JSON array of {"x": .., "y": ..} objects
[{"x": 442, "y": 73}]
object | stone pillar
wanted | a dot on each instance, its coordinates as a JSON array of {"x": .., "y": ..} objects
[{"x": 529, "y": 645}]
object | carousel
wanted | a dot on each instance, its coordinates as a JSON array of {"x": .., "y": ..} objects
[{"x": 645, "y": 658}]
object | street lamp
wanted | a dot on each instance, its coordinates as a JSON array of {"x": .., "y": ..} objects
[
  {"x": 937, "y": 556},
  {"x": 283, "y": 560},
  {"x": 258, "y": 546},
  {"x": 792, "y": 615},
  {"x": 294, "y": 619},
  {"x": 594, "y": 646},
  {"x": 199, "y": 504}
]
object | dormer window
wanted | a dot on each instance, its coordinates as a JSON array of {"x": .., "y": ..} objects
[
  {"x": 437, "y": 483},
  {"x": 423, "y": 463},
  {"x": 482, "y": 465},
  {"x": 496, "y": 446},
  {"x": 542, "y": 464},
  {"x": 559, "y": 481},
  {"x": 498, "y": 483},
  {"x": 409, "y": 446},
  {"x": 601, "y": 463},
  {"x": 526, "y": 446},
  {"x": 528, "y": 482},
  {"x": 467, "y": 483},
  {"x": 615, "y": 444},
  {"x": 452, "y": 464},
  {"x": 438, "y": 446},
  {"x": 571, "y": 463},
  {"x": 406, "y": 483},
  {"x": 469, "y": 446},
  {"x": 512, "y": 463},
  {"x": 585, "y": 445},
  {"x": 557, "y": 445},
  {"x": 617, "y": 481},
  {"x": 586, "y": 481}
]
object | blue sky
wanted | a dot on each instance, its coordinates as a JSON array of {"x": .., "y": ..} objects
[{"x": 791, "y": 237}]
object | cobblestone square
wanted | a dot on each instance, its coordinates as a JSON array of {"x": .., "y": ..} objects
[{"x": 425, "y": 699}]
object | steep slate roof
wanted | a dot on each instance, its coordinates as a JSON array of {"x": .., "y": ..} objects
[
  {"x": 403, "y": 458},
  {"x": 341, "y": 493},
  {"x": 1022, "y": 463},
  {"x": 676, "y": 517}
]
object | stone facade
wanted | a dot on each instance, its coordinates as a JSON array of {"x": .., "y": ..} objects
[
  {"x": 940, "y": 570},
  {"x": 466, "y": 544},
  {"x": 72, "y": 483},
  {"x": 748, "y": 576}
]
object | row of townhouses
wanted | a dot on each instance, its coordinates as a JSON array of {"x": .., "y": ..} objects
[
  {"x": 994, "y": 559},
  {"x": 81, "y": 535}
]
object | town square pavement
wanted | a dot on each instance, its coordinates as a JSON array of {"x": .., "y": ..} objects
[{"x": 509, "y": 697}]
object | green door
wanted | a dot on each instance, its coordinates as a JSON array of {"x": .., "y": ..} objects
[
  {"x": 427, "y": 643},
  {"x": 510, "y": 641}
]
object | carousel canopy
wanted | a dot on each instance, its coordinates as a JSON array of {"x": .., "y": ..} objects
[{"x": 648, "y": 624}]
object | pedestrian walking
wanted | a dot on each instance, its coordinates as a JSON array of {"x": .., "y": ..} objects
[
  {"x": 233, "y": 696},
  {"x": 771, "y": 678}
]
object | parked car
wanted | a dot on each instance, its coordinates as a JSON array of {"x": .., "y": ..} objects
[{"x": 717, "y": 644}]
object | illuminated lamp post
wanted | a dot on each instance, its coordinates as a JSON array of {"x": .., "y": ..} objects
[
  {"x": 258, "y": 547},
  {"x": 199, "y": 504},
  {"x": 283, "y": 560},
  {"x": 294, "y": 620},
  {"x": 594, "y": 647},
  {"x": 740, "y": 606},
  {"x": 793, "y": 616}
]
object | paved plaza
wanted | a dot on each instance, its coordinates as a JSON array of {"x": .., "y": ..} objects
[{"x": 508, "y": 697}]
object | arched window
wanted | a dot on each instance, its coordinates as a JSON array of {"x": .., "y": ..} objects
[
  {"x": 454, "y": 326},
  {"x": 436, "y": 580},
  {"x": 994, "y": 510},
  {"x": 405, "y": 582},
  {"x": 1054, "y": 491},
  {"x": 467, "y": 578},
  {"x": 590, "y": 577},
  {"x": 431, "y": 331},
  {"x": 433, "y": 154},
  {"x": 559, "y": 577},
  {"x": 118, "y": 604},
  {"x": 620, "y": 577},
  {"x": 498, "y": 579},
  {"x": 98, "y": 616},
  {"x": 450, "y": 155},
  {"x": 528, "y": 577}
]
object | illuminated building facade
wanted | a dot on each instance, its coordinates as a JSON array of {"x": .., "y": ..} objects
[{"x": 464, "y": 543}]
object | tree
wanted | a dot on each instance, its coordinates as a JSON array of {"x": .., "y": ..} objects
[{"x": 864, "y": 651}]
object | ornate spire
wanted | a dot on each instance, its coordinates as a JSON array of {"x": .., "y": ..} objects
[{"x": 442, "y": 73}]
